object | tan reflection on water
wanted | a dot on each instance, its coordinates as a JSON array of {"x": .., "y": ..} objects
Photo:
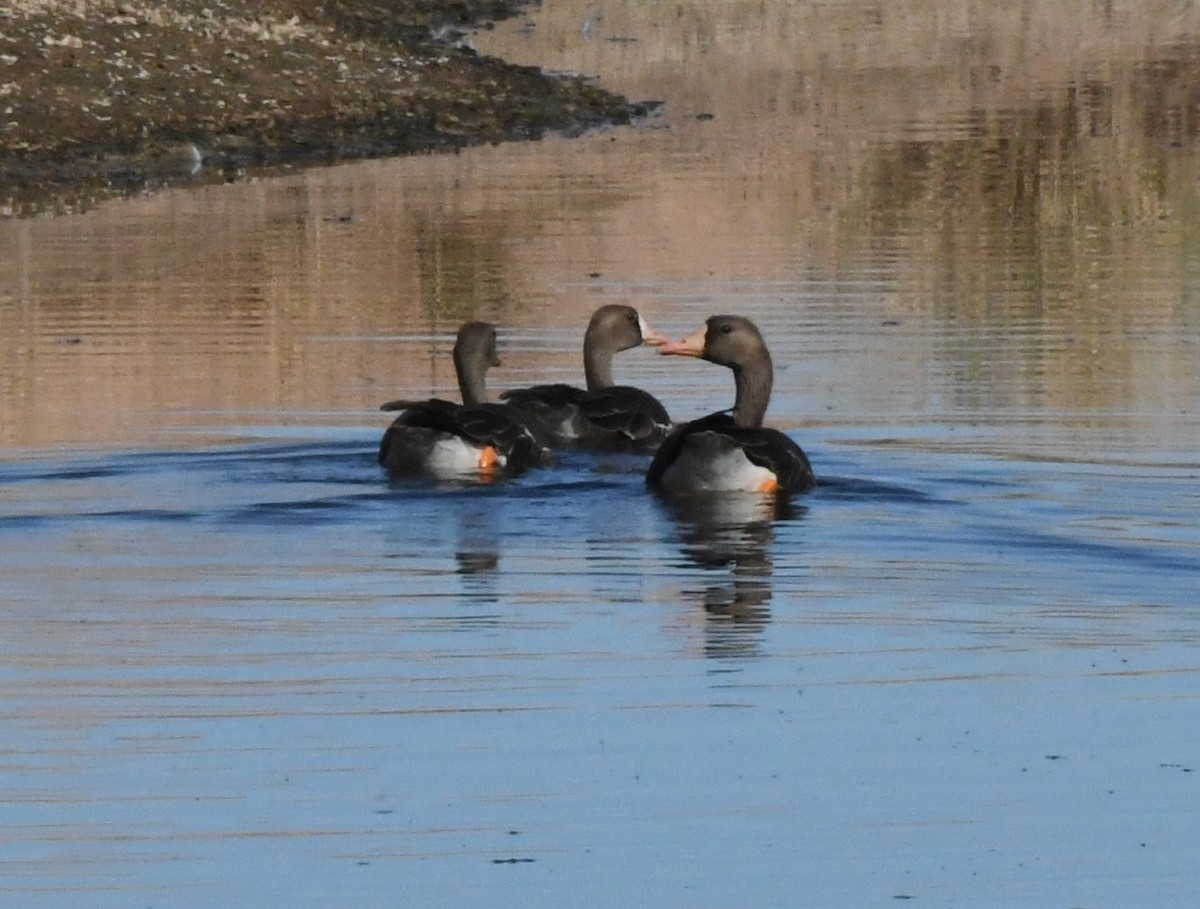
[{"x": 1022, "y": 178}]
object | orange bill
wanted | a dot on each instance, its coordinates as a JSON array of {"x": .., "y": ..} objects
[{"x": 691, "y": 346}]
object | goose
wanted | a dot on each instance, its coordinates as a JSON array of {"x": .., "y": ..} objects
[
  {"x": 605, "y": 415},
  {"x": 730, "y": 450},
  {"x": 472, "y": 439}
]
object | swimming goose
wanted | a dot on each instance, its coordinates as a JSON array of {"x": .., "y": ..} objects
[
  {"x": 731, "y": 450},
  {"x": 472, "y": 439},
  {"x": 605, "y": 415}
]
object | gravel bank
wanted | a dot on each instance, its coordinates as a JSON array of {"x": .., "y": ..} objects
[{"x": 101, "y": 98}]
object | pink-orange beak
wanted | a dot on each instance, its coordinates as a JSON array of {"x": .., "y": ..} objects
[{"x": 691, "y": 346}]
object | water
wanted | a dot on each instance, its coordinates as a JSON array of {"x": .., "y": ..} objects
[
  {"x": 237, "y": 666},
  {"x": 953, "y": 678}
]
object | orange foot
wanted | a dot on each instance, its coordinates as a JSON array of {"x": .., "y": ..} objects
[
  {"x": 769, "y": 485},
  {"x": 487, "y": 462}
]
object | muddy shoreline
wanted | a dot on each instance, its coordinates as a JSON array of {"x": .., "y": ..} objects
[{"x": 131, "y": 96}]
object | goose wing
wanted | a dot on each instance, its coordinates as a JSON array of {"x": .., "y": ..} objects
[
  {"x": 556, "y": 395},
  {"x": 494, "y": 425},
  {"x": 775, "y": 451},
  {"x": 434, "y": 413},
  {"x": 668, "y": 452},
  {"x": 768, "y": 448},
  {"x": 550, "y": 411},
  {"x": 626, "y": 411},
  {"x": 482, "y": 424},
  {"x": 405, "y": 404}
]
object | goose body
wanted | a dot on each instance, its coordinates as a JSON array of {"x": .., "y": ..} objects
[
  {"x": 731, "y": 451},
  {"x": 603, "y": 415},
  {"x": 472, "y": 440}
]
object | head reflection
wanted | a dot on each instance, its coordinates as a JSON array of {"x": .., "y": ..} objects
[{"x": 728, "y": 536}]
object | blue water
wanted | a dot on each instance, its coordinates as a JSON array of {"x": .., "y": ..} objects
[{"x": 259, "y": 675}]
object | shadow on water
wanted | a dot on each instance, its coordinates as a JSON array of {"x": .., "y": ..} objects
[{"x": 852, "y": 489}]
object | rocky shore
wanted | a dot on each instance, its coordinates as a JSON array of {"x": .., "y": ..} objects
[{"x": 104, "y": 98}]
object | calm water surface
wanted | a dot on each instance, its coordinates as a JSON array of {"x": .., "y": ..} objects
[{"x": 238, "y": 667}]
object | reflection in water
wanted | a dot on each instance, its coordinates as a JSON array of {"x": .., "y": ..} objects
[
  {"x": 728, "y": 536},
  {"x": 473, "y": 563},
  {"x": 477, "y": 550},
  {"x": 453, "y": 535},
  {"x": 461, "y": 265},
  {"x": 1013, "y": 195}
]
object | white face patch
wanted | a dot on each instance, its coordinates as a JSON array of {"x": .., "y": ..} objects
[{"x": 642, "y": 326}]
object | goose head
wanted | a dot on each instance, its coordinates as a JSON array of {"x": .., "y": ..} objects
[
  {"x": 613, "y": 328},
  {"x": 734, "y": 342}
]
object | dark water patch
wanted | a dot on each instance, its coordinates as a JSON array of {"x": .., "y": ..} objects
[
  {"x": 1112, "y": 557},
  {"x": 152, "y": 515},
  {"x": 303, "y": 461},
  {"x": 13, "y": 474},
  {"x": 867, "y": 490},
  {"x": 312, "y": 462},
  {"x": 303, "y": 512}
]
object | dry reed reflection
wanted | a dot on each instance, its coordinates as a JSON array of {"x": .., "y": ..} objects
[{"x": 1022, "y": 174}]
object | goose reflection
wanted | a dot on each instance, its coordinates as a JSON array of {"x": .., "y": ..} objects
[
  {"x": 728, "y": 536},
  {"x": 477, "y": 550},
  {"x": 447, "y": 553}
]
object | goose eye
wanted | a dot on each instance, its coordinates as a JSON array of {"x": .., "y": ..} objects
[{"x": 726, "y": 329}]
